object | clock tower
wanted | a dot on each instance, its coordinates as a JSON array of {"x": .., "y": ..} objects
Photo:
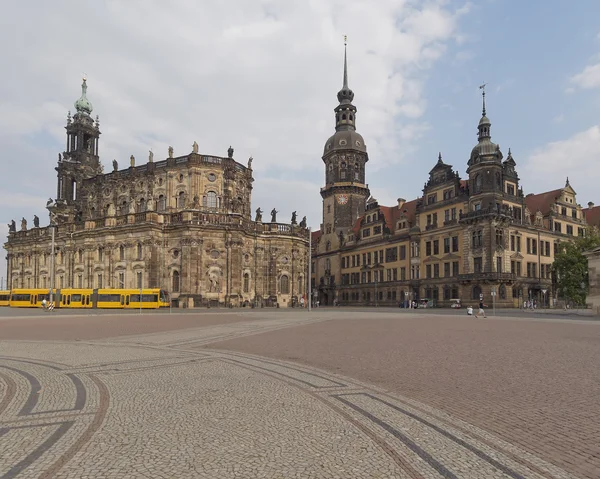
[{"x": 345, "y": 155}]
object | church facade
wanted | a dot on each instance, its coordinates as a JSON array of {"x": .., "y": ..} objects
[
  {"x": 183, "y": 224},
  {"x": 476, "y": 238}
]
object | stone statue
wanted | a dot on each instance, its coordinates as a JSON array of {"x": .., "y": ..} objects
[
  {"x": 115, "y": 165},
  {"x": 250, "y": 163},
  {"x": 274, "y": 215},
  {"x": 213, "y": 277},
  {"x": 59, "y": 157},
  {"x": 230, "y": 152},
  {"x": 36, "y": 221},
  {"x": 170, "y": 152},
  {"x": 303, "y": 222},
  {"x": 132, "y": 161},
  {"x": 12, "y": 227},
  {"x": 294, "y": 218},
  {"x": 150, "y": 156},
  {"x": 49, "y": 202},
  {"x": 195, "y": 148},
  {"x": 258, "y": 218},
  {"x": 23, "y": 224}
]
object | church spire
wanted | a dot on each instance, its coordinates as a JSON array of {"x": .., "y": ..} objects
[
  {"x": 345, "y": 112},
  {"x": 484, "y": 124}
]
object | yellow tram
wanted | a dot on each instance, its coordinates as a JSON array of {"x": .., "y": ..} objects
[
  {"x": 91, "y": 298},
  {"x": 4, "y": 298}
]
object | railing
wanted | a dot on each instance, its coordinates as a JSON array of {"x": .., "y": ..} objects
[
  {"x": 431, "y": 226},
  {"x": 453, "y": 221},
  {"x": 484, "y": 212},
  {"x": 487, "y": 276}
]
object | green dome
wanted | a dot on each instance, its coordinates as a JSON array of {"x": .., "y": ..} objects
[{"x": 83, "y": 105}]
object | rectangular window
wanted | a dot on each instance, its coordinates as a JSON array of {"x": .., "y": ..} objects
[
  {"x": 366, "y": 232},
  {"x": 121, "y": 280},
  {"x": 364, "y": 261},
  {"x": 403, "y": 274},
  {"x": 446, "y": 270},
  {"x": 369, "y": 258},
  {"x": 428, "y": 248},
  {"x": 446, "y": 245},
  {"x": 428, "y": 271},
  {"x": 512, "y": 242},
  {"x": 454, "y": 244},
  {"x": 436, "y": 246},
  {"x": 139, "y": 280},
  {"x": 415, "y": 250},
  {"x": 533, "y": 246},
  {"x": 99, "y": 284},
  {"x": 100, "y": 254},
  {"x": 477, "y": 265},
  {"x": 436, "y": 270},
  {"x": 453, "y": 213},
  {"x": 499, "y": 264},
  {"x": 414, "y": 272},
  {"x": 403, "y": 252},
  {"x": 510, "y": 189},
  {"x": 518, "y": 244},
  {"x": 547, "y": 248},
  {"x": 446, "y": 215},
  {"x": 376, "y": 230},
  {"x": 79, "y": 281},
  {"x": 557, "y": 227},
  {"x": 428, "y": 220},
  {"x": 574, "y": 214},
  {"x": 395, "y": 274},
  {"x": 569, "y": 230},
  {"x": 513, "y": 269},
  {"x": 391, "y": 254},
  {"x": 518, "y": 268},
  {"x": 528, "y": 245},
  {"x": 381, "y": 256},
  {"x": 389, "y": 274},
  {"x": 455, "y": 267}
]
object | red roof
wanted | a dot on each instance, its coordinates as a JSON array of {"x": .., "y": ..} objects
[
  {"x": 542, "y": 201},
  {"x": 592, "y": 215},
  {"x": 391, "y": 215},
  {"x": 315, "y": 236}
]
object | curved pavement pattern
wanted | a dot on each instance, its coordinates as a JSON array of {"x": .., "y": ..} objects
[{"x": 162, "y": 405}]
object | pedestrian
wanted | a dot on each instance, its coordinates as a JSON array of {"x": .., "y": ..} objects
[
  {"x": 302, "y": 302},
  {"x": 481, "y": 311},
  {"x": 44, "y": 304},
  {"x": 470, "y": 311}
]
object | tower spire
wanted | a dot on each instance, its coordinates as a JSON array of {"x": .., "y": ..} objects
[
  {"x": 482, "y": 88},
  {"x": 345, "y": 86}
]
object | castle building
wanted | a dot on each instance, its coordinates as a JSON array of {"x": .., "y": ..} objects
[
  {"x": 182, "y": 224},
  {"x": 479, "y": 237}
]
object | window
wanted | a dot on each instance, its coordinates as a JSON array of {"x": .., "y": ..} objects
[
  {"x": 80, "y": 252},
  {"x": 455, "y": 244},
  {"x": 574, "y": 213},
  {"x": 139, "y": 279},
  {"x": 436, "y": 246},
  {"x": 476, "y": 293},
  {"x": 366, "y": 232},
  {"x": 478, "y": 184},
  {"x": 121, "y": 253},
  {"x": 499, "y": 264},
  {"x": 414, "y": 272},
  {"x": 518, "y": 244},
  {"x": 512, "y": 242},
  {"x": 99, "y": 283},
  {"x": 569, "y": 230},
  {"x": 211, "y": 199},
  {"x": 436, "y": 270},
  {"x": 100, "y": 254},
  {"x": 428, "y": 248},
  {"x": 455, "y": 267},
  {"x": 477, "y": 207},
  {"x": 181, "y": 200},
  {"x": 446, "y": 245},
  {"x": 500, "y": 238},
  {"x": 246, "y": 282},
  {"x": 447, "y": 293},
  {"x": 428, "y": 271},
  {"x": 446, "y": 215},
  {"x": 477, "y": 239},
  {"x": 557, "y": 227},
  {"x": 142, "y": 206},
  {"x": 446, "y": 270},
  {"x": 121, "y": 280},
  {"x": 403, "y": 252},
  {"x": 510, "y": 189},
  {"x": 431, "y": 199},
  {"x": 175, "y": 281},
  {"x": 414, "y": 249},
  {"x": 79, "y": 281},
  {"x": 376, "y": 230},
  {"x": 391, "y": 254},
  {"x": 477, "y": 264},
  {"x": 403, "y": 274},
  {"x": 533, "y": 246},
  {"x": 139, "y": 251},
  {"x": 161, "y": 204},
  {"x": 502, "y": 291}
]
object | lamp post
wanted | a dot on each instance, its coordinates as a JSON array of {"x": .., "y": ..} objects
[
  {"x": 52, "y": 228},
  {"x": 309, "y": 280}
]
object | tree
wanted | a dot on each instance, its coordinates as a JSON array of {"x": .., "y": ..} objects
[{"x": 571, "y": 266}]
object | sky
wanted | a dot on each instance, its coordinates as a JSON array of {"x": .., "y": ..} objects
[{"x": 262, "y": 76}]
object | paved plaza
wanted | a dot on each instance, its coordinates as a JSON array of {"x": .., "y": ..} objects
[{"x": 334, "y": 393}]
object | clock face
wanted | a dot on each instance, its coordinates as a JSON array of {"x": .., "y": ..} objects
[{"x": 342, "y": 199}]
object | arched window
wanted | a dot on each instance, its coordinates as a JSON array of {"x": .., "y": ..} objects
[
  {"x": 502, "y": 292},
  {"x": 210, "y": 199},
  {"x": 181, "y": 200},
  {"x": 121, "y": 253},
  {"x": 344, "y": 116},
  {"x": 162, "y": 204},
  {"x": 351, "y": 118},
  {"x": 142, "y": 207},
  {"x": 476, "y": 292},
  {"x": 284, "y": 284},
  {"x": 175, "y": 281},
  {"x": 246, "y": 282},
  {"x": 139, "y": 251}
]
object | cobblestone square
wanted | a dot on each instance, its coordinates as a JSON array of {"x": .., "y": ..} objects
[{"x": 269, "y": 394}]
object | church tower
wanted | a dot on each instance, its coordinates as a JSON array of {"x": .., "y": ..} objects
[
  {"x": 80, "y": 160},
  {"x": 345, "y": 155}
]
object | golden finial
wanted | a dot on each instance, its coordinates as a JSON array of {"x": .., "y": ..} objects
[{"x": 84, "y": 77}]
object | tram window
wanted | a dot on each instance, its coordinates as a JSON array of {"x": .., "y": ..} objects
[
  {"x": 108, "y": 298},
  {"x": 76, "y": 298},
  {"x": 69, "y": 300},
  {"x": 127, "y": 300},
  {"x": 122, "y": 300}
]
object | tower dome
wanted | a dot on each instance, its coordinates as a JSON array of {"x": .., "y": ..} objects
[{"x": 83, "y": 105}]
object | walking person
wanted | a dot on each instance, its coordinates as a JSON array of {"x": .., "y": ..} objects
[
  {"x": 481, "y": 311},
  {"x": 44, "y": 304}
]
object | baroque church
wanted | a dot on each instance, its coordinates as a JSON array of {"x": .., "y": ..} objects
[
  {"x": 472, "y": 239},
  {"x": 182, "y": 224}
]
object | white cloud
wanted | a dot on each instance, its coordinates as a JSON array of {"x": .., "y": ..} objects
[
  {"x": 575, "y": 157},
  {"x": 261, "y": 76},
  {"x": 588, "y": 78}
]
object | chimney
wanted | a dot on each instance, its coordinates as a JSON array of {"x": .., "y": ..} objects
[
  {"x": 401, "y": 202},
  {"x": 590, "y": 204}
]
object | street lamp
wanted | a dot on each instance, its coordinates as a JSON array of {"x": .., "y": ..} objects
[{"x": 52, "y": 229}]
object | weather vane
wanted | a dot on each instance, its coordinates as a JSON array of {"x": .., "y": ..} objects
[{"x": 482, "y": 87}]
